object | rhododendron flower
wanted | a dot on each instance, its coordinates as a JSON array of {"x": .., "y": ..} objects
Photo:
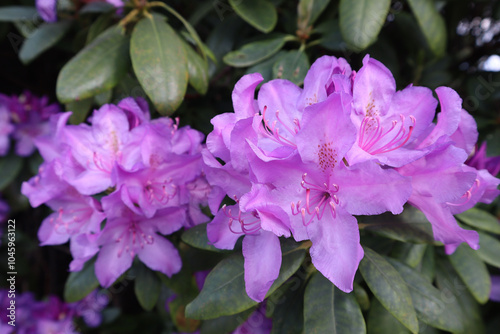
[
  {"x": 24, "y": 117},
  {"x": 307, "y": 160},
  {"x": 143, "y": 178}
]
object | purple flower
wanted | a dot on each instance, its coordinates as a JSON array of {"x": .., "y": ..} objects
[
  {"x": 387, "y": 121},
  {"x": 90, "y": 307},
  {"x": 28, "y": 115},
  {"x": 480, "y": 161},
  {"x": 128, "y": 233}
]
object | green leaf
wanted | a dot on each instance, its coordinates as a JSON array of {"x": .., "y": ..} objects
[
  {"x": 361, "y": 21},
  {"x": 431, "y": 308},
  {"x": 197, "y": 70},
  {"x": 147, "y": 287},
  {"x": 224, "y": 290},
  {"x": 431, "y": 23},
  {"x": 45, "y": 36},
  {"x": 80, "y": 283},
  {"x": 308, "y": 11},
  {"x": 329, "y": 310},
  {"x": 489, "y": 249},
  {"x": 473, "y": 272},
  {"x": 226, "y": 324},
  {"x": 95, "y": 69},
  {"x": 10, "y": 166},
  {"x": 454, "y": 291},
  {"x": 261, "y": 14},
  {"x": 381, "y": 321},
  {"x": 104, "y": 97},
  {"x": 197, "y": 237},
  {"x": 80, "y": 109},
  {"x": 159, "y": 61},
  {"x": 292, "y": 66},
  {"x": 18, "y": 13},
  {"x": 389, "y": 288},
  {"x": 255, "y": 52},
  {"x": 480, "y": 219}
]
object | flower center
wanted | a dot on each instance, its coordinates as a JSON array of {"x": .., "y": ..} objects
[
  {"x": 374, "y": 140},
  {"x": 69, "y": 221},
  {"x": 249, "y": 221},
  {"x": 160, "y": 192},
  {"x": 318, "y": 198},
  {"x": 272, "y": 131},
  {"x": 133, "y": 237}
]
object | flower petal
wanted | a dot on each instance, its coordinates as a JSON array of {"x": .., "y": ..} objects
[
  {"x": 161, "y": 256},
  {"x": 111, "y": 262},
  {"x": 259, "y": 274},
  {"x": 335, "y": 250}
]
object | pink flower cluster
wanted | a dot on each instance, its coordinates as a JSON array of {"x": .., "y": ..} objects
[
  {"x": 117, "y": 186},
  {"x": 23, "y": 118},
  {"x": 50, "y": 315},
  {"x": 303, "y": 162}
]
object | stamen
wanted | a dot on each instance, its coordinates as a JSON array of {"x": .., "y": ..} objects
[
  {"x": 468, "y": 194},
  {"x": 372, "y": 134},
  {"x": 273, "y": 132}
]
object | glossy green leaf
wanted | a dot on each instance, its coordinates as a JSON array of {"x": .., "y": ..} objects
[
  {"x": 224, "y": 290},
  {"x": 308, "y": 11},
  {"x": 255, "y": 52},
  {"x": 261, "y": 14},
  {"x": 381, "y": 321},
  {"x": 454, "y": 291},
  {"x": 292, "y": 66},
  {"x": 10, "y": 166},
  {"x": 361, "y": 21},
  {"x": 489, "y": 249},
  {"x": 473, "y": 272},
  {"x": 197, "y": 70},
  {"x": 80, "y": 283},
  {"x": 18, "y": 13},
  {"x": 389, "y": 288},
  {"x": 80, "y": 110},
  {"x": 95, "y": 69},
  {"x": 45, "y": 36},
  {"x": 430, "y": 305},
  {"x": 480, "y": 219},
  {"x": 159, "y": 61},
  {"x": 197, "y": 237},
  {"x": 329, "y": 310},
  {"x": 226, "y": 324},
  {"x": 431, "y": 23},
  {"x": 147, "y": 287}
]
